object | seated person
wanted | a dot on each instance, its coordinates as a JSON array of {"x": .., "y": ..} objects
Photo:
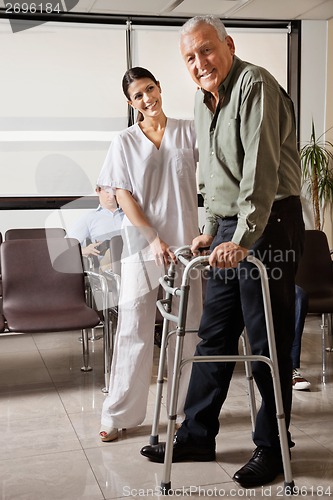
[{"x": 98, "y": 226}]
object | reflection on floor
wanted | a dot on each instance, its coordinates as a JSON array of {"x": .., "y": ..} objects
[{"x": 50, "y": 414}]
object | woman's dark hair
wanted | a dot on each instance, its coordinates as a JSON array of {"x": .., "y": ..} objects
[{"x": 133, "y": 74}]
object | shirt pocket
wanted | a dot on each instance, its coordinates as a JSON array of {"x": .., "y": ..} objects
[{"x": 184, "y": 162}]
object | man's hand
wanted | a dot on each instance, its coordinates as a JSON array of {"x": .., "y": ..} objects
[
  {"x": 202, "y": 241},
  {"x": 227, "y": 255},
  {"x": 91, "y": 249}
]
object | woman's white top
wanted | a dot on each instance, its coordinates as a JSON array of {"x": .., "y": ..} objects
[{"x": 162, "y": 181}]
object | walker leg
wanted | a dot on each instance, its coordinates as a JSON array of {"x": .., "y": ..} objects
[
  {"x": 249, "y": 378},
  {"x": 282, "y": 428},
  {"x": 159, "y": 384},
  {"x": 166, "y": 482}
]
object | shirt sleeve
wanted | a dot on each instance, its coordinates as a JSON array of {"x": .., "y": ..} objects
[
  {"x": 80, "y": 230},
  {"x": 260, "y": 136},
  {"x": 211, "y": 223},
  {"x": 115, "y": 172}
]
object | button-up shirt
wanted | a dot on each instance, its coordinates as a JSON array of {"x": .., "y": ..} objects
[
  {"x": 248, "y": 156},
  {"x": 99, "y": 225}
]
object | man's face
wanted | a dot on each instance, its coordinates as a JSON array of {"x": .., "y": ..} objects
[
  {"x": 207, "y": 58},
  {"x": 106, "y": 199}
]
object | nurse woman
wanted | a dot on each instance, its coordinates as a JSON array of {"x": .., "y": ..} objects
[{"x": 151, "y": 168}]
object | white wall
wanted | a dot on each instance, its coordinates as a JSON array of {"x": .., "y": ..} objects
[
  {"x": 328, "y": 226},
  {"x": 314, "y": 90},
  {"x": 313, "y": 77}
]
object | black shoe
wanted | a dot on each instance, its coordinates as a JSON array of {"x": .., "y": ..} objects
[
  {"x": 182, "y": 452},
  {"x": 262, "y": 468}
]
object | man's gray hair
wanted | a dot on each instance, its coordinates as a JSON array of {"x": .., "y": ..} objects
[{"x": 214, "y": 21}]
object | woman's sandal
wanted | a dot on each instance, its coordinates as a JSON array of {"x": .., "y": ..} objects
[{"x": 108, "y": 434}]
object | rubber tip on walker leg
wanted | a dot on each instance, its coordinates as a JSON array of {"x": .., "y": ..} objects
[
  {"x": 153, "y": 440},
  {"x": 289, "y": 488},
  {"x": 165, "y": 488}
]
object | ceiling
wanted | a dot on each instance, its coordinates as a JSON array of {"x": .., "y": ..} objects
[{"x": 226, "y": 9}]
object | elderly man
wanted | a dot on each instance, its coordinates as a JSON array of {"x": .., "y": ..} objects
[{"x": 249, "y": 175}]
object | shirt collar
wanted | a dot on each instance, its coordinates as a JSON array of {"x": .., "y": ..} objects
[{"x": 100, "y": 208}]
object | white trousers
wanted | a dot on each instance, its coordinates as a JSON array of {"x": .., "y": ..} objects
[{"x": 131, "y": 369}]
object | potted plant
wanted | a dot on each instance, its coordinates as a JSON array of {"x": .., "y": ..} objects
[{"x": 316, "y": 157}]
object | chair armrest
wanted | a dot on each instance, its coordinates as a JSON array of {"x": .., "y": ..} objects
[{"x": 88, "y": 263}]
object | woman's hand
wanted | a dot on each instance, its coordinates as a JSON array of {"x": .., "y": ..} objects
[{"x": 162, "y": 252}]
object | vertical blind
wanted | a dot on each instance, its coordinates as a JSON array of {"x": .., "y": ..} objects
[{"x": 62, "y": 100}]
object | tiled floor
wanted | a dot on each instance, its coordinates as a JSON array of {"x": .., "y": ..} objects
[{"x": 50, "y": 413}]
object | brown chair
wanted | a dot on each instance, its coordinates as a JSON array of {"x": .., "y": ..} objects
[
  {"x": 315, "y": 276},
  {"x": 34, "y": 232},
  {"x": 43, "y": 288},
  {"x": 53, "y": 232}
]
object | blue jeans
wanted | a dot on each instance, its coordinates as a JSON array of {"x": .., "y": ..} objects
[
  {"x": 234, "y": 300},
  {"x": 301, "y": 310}
]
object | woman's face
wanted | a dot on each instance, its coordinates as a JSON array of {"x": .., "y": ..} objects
[{"x": 145, "y": 96}]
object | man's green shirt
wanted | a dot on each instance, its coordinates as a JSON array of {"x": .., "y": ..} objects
[{"x": 248, "y": 156}]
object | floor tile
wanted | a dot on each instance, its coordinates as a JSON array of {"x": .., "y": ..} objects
[
  {"x": 55, "y": 476},
  {"x": 16, "y": 406},
  {"x": 20, "y": 370},
  {"x": 17, "y": 342},
  {"x": 50, "y": 419},
  {"x": 121, "y": 469},
  {"x": 36, "y": 436}
]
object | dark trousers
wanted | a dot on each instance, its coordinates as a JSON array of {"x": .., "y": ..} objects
[{"x": 234, "y": 300}]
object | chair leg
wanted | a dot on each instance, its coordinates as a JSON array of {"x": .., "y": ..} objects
[
  {"x": 326, "y": 331},
  {"x": 329, "y": 347},
  {"x": 90, "y": 303},
  {"x": 85, "y": 349},
  {"x": 323, "y": 327}
]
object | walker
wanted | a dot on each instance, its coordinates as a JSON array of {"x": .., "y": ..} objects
[{"x": 184, "y": 256}]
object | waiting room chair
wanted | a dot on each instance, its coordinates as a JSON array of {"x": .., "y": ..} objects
[
  {"x": 34, "y": 232},
  {"x": 315, "y": 276},
  {"x": 43, "y": 288},
  {"x": 50, "y": 232}
]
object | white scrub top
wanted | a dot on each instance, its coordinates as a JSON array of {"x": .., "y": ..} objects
[{"x": 162, "y": 181}]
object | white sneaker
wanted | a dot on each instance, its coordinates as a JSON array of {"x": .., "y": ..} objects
[{"x": 299, "y": 382}]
